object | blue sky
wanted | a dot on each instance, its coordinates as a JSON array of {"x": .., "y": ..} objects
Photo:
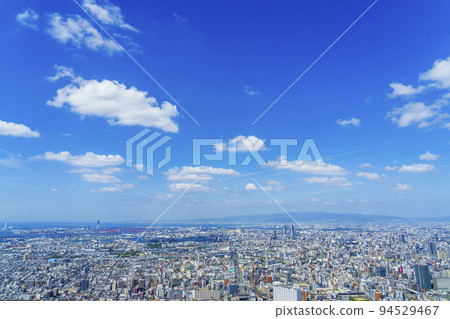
[{"x": 376, "y": 105}]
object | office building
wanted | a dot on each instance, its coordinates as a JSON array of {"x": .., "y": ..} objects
[
  {"x": 423, "y": 277},
  {"x": 432, "y": 249},
  {"x": 282, "y": 293},
  {"x": 84, "y": 284},
  {"x": 292, "y": 230}
]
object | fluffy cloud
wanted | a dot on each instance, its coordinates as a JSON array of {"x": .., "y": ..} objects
[
  {"x": 402, "y": 187},
  {"x": 333, "y": 181},
  {"x": 417, "y": 114},
  {"x": 107, "y": 13},
  {"x": 200, "y": 173},
  {"x": 13, "y": 129},
  {"x": 251, "y": 187},
  {"x": 93, "y": 168},
  {"x": 310, "y": 167},
  {"x": 427, "y": 156},
  {"x": 242, "y": 144},
  {"x": 87, "y": 160},
  {"x": 371, "y": 176},
  {"x": 80, "y": 33},
  {"x": 185, "y": 175},
  {"x": 114, "y": 101},
  {"x": 28, "y": 18},
  {"x": 399, "y": 89},
  {"x": 439, "y": 74},
  {"x": 390, "y": 168},
  {"x": 272, "y": 186},
  {"x": 365, "y": 165},
  {"x": 417, "y": 168},
  {"x": 352, "y": 121}
]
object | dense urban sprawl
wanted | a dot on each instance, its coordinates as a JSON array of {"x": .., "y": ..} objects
[{"x": 251, "y": 262}]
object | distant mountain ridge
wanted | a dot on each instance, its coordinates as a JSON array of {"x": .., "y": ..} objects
[{"x": 309, "y": 217}]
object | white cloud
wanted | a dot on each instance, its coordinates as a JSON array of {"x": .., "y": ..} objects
[
  {"x": 329, "y": 181},
  {"x": 390, "y": 168},
  {"x": 402, "y": 187},
  {"x": 271, "y": 187},
  {"x": 80, "y": 33},
  {"x": 251, "y": 187},
  {"x": 365, "y": 165},
  {"x": 352, "y": 121},
  {"x": 64, "y": 72},
  {"x": 242, "y": 144},
  {"x": 107, "y": 13},
  {"x": 55, "y": 190},
  {"x": 100, "y": 178},
  {"x": 87, "y": 160},
  {"x": 250, "y": 91},
  {"x": 196, "y": 188},
  {"x": 427, "y": 156},
  {"x": 192, "y": 173},
  {"x": 439, "y": 74},
  {"x": 142, "y": 177},
  {"x": 115, "y": 188},
  {"x": 92, "y": 168},
  {"x": 417, "y": 168},
  {"x": 309, "y": 167},
  {"x": 28, "y": 18},
  {"x": 371, "y": 176},
  {"x": 399, "y": 89},
  {"x": 417, "y": 114},
  {"x": 164, "y": 196},
  {"x": 114, "y": 101},
  {"x": 18, "y": 130}
]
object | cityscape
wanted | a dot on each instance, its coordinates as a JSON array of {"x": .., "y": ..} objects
[
  {"x": 280, "y": 262},
  {"x": 295, "y": 153}
]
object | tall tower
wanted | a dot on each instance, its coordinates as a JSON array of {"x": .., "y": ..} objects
[
  {"x": 423, "y": 277},
  {"x": 432, "y": 249},
  {"x": 98, "y": 224}
]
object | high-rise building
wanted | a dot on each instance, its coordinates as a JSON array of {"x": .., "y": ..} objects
[
  {"x": 282, "y": 293},
  {"x": 285, "y": 230},
  {"x": 84, "y": 284},
  {"x": 402, "y": 238},
  {"x": 292, "y": 230},
  {"x": 442, "y": 254},
  {"x": 432, "y": 249},
  {"x": 380, "y": 271},
  {"x": 423, "y": 277},
  {"x": 98, "y": 224}
]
